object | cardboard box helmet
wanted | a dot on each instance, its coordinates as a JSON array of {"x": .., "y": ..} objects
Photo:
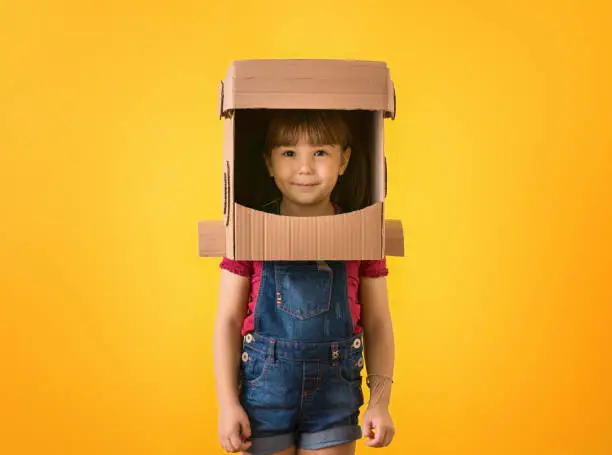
[{"x": 363, "y": 93}]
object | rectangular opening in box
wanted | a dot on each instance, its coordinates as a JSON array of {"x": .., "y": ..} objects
[{"x": 253, "y": 187}]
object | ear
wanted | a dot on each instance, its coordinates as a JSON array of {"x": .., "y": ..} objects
[
  {"x": 344, "y": 160},
  {"x": 268, "y": 164}
]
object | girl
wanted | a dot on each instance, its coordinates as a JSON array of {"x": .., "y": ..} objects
[{"x": 291, "y": 336}]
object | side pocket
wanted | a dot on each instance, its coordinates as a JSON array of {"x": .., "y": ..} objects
[
  {"x": 254, "y": 366},
  {"x": 351, "y": 367}
]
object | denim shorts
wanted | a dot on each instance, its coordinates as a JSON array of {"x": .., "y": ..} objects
[{"x": 306, "y": 395}]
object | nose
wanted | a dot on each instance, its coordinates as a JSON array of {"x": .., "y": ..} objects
[{"x": 305, "y": 164}]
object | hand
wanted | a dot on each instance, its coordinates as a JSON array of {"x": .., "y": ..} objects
[
  {"x": 378, "y": 427},
  {"x": 234, "y": 429}
]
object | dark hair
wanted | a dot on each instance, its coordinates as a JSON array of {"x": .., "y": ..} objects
[{"x": 323, "y": 127}]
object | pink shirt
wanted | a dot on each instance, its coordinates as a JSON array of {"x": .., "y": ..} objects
[{"x": 355, "y": 270}]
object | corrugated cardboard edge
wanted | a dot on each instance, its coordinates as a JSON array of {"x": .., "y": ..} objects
[
  {"x": 211, "y": 238},
  {"x": 393, "y": 102}
]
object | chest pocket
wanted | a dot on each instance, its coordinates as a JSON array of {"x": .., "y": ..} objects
[{"x": 303, "y": 288}]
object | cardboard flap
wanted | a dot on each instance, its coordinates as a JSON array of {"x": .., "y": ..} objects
[
  {"x": 211, "y": 238},
  {"x": 394, "y": 238}
]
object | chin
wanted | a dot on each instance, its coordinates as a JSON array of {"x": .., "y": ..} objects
[
  {"x": 305, "y": 201},
  {"x": 308, "y": 201}
]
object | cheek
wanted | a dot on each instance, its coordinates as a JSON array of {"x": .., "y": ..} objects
[
  {"x": 281, "y": 170},
  {"x": 329, "y": 171}
]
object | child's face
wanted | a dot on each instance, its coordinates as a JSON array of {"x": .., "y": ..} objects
[{"x": 307, "y": 174}]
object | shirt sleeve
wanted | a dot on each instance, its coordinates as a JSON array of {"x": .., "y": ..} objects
[
  {"x": 374, "y": 269},
  {"x": 242, "y": 268}
]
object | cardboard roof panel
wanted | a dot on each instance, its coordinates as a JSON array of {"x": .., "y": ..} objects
[{"x": 308, "y": 84}]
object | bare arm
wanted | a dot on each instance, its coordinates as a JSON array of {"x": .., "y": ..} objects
[
  {"x": 227, "y": 344},
  {"x": 379, "y": 346}
]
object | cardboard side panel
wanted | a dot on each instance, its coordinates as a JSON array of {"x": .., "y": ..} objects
[
  {"x": 264, "y": 236},
  {"x": 378, "y": 159},
  {"x": 228, "y": 181}
]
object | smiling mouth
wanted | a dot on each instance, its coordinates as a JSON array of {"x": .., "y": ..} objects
[{"x": 305, "y": 184}]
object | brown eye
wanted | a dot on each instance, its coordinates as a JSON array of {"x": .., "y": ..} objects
[
  {"x": 321, "y": 152},
  {"x": 288, "y": 153}
]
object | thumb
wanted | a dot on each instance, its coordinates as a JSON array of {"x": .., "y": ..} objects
[
  {"x": 245, "y": 429},
  {"x": 367, "y": 427}
]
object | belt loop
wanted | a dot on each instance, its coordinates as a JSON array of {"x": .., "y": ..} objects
[
  {"x": 272, "y": 350},
  {"x": 335, "y": 353}
]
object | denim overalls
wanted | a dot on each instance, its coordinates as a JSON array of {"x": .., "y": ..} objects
[{"x": 301, "y": 365}]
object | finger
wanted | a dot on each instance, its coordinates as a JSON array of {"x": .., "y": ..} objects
[
  {"x": 235, "y": 441},
  {"x": 378, "y": 438},
  {"x": 227, "y": 445},
  {"x": 230, "y": 445},
  {"x": 372, "y": 437},
  {"x": 223, "y": 445},
  {"x": 367, "y": 429},
  {"x": 245, "y": 433},
  {"x": 389, "y": 437},
  {"x": 245, "y": 430},
  {"x": 372, "y": 429},
  {"x": 245, "y": 446}
]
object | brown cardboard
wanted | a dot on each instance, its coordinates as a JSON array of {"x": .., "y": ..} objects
[
  {"x": 361, "y": 89},
  {"x": 308, "y": 84},
  {"x": 211, "y": 241}
]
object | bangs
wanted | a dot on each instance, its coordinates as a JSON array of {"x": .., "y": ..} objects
[{"x": 318, "y": 128}]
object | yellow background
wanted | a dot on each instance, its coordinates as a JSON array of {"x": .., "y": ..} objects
[{"x": 500, "y": 161}]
